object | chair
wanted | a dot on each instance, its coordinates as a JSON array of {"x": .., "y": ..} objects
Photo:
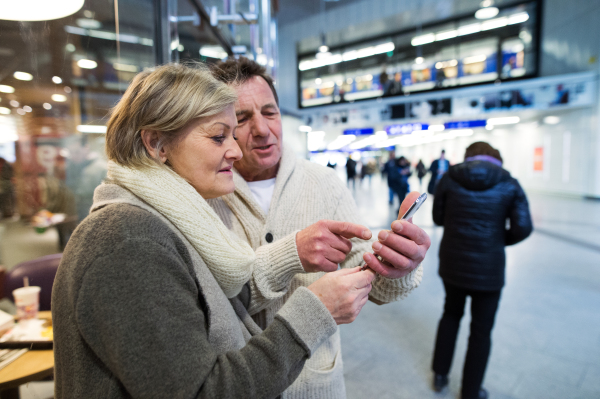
[{"x": 41, "y": 273}]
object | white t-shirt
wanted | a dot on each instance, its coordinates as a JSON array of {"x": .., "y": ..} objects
[{"x": 263, "y": 192}]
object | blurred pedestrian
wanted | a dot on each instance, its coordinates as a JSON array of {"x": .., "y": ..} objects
[
  {"x": 389, "y": 169},
  {"x": 368, "y": 169},
  {"x": 437, "y": 169},
  {"x": 7, "y": 193},
  {"x": 421, "y": 172},
  {"x": 473, "y": 202},
  {"x": 331, "y": 165},
  {"x": 351, "y": 172}
]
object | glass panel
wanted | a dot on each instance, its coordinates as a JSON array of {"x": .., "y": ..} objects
[{"x": 59, "y": 78}]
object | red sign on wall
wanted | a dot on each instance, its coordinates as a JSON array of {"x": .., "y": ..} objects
[{"x": 538, "y": 159}]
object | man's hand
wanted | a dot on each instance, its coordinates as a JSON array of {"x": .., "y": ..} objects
[
  {"x": 321, "y": 246},
  {"x": 344, "y": 292},
  {"x": 403, "y": 248}
]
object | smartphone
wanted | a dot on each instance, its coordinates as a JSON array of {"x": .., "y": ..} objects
[
  {"x": 414, "y": 207},
  {"x": 407, "y": 215}
]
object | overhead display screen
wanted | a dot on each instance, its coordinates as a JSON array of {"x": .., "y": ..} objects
[{"x": 461, "y": 52}]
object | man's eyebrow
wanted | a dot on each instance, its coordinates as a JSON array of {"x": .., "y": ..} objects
[
  {"x": 270, "y": 105},
  {"x": 243, "y": 112}
]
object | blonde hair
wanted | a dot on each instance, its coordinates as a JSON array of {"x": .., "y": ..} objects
[{"x": 164, "y": 100}]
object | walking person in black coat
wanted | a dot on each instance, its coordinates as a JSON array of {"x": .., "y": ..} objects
[{"x": 473, "y": 201}]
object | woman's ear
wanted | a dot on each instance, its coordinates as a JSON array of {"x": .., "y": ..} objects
[{"x": 150, "y": 139}]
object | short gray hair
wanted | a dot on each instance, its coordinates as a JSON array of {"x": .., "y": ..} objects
[{"x": 164, "y": 100}]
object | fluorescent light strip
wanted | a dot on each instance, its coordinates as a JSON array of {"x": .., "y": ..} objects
[
  {"x": 109, "y": 35},
  {"x": 91, "y": 128},
  {"x": 346, "y": 56},
  {"x": 341, "y": 141},
  {"x": 509, "y": 120}
]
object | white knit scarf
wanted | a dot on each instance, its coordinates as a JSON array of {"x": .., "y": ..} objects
[{"x": 228, "y": 257}]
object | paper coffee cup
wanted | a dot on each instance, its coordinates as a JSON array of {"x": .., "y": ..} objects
[{"x": 27, "y": 300}]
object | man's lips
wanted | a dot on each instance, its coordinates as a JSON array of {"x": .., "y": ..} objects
[{"x": 264, "y": 147}]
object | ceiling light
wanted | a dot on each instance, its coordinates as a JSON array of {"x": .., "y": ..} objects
[
  {"x": 47, "y": 106},
  {"x": 462, "y": 132},
  {"x": 88, "y": 23},
  {"x": 7, "y": 89},
  {"x": 449, "y": 34},
  {"x": 341, "y": 141},
  {"x": 4, "y": 111},
  {"x": 67, "y": 89},
  {"x": 469, "y": 29},
  {"x": 509, "y": 120},
  {"x": 474, "y": 59},
  {"x": 23, "y": 76},
  {"x": 318, "y": 81},
  {"x": 21, "y": 111},
  {"x": 91, "y": 128},
  {"x": 14, "y": 103},
  {"x": 551, "y": 120},
  {"x": 419, "y": 60},
  {"x": 56, "y": 80},
  {"x": 489, "y": 127},
  {"x": 39, "y": 10},
  {"x": 486, "y": 3},
  {"x": 494, "y": 23},
  {"x": 87, "y": 64},
  {"x": 423, "y": 39},
  {"x": 323, "y": 49},
  {"x": 70, "y": 47},
  {"x": 487, "y": 13},
  {"x": 59, "y": 98},
  {"x": 305, "y": 128},
  {"x": 437, "y": 128},
  {"x": 518, "y": 18},
  {"x": 27, "y": 108},
  {"x": 216, "y": 52}
]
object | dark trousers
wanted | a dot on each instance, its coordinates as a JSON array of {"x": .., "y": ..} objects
[{"x": 484, "y": 305}]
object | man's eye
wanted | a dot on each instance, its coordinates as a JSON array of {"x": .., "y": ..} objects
[{"x": 242, "y": 120}]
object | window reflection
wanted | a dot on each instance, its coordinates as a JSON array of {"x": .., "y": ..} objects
[{"x": 58, "y": 81}]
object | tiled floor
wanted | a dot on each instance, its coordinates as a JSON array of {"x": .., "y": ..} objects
[{"x": 546, "y": 342}]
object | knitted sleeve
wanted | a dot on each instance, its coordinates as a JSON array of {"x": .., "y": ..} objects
[
  {"x": 275, "y": 266},
  {"x": 384, "y": 290}
]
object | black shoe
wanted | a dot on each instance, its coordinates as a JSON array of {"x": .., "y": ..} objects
[
  {"x": 482, "y": 394},
  {"x": 440, "y": 382}
]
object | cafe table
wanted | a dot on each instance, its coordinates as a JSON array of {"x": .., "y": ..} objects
[{"x": 34, "y": 365}]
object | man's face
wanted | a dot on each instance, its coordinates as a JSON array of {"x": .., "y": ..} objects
[{"x": 259, "y": 130}]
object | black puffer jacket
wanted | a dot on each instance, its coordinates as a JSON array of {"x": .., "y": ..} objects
[{"x": 473, "y": 202}]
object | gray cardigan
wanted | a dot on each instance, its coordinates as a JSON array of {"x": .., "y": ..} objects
[{"x": 132, "y": 317}]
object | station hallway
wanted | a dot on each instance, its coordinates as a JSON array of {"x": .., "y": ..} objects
[{"x": 546, "y": 339}]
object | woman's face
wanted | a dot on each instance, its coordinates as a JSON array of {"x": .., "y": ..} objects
[{"x": 205, "y": 155}]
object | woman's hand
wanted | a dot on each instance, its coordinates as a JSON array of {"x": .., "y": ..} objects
[{"x": 344, "y": 292}]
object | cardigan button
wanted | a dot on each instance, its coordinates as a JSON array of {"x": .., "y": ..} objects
[{"x": 269, "y": 238}]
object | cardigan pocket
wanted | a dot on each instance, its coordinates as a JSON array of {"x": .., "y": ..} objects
[{"x": 322, "y": 383}]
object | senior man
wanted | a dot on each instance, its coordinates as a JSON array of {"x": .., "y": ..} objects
[{"x": 302, "y": 221}]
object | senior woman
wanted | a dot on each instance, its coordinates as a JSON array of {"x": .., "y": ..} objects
[{"x": 149, "y": 299}]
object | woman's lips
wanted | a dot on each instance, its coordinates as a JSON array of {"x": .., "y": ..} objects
[{"x": 226, "y": 170}]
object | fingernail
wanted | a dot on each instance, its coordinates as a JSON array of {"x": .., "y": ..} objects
[
  {"x": 376, "y": 246},
  {"x": 383, "y": 235},
  {"x": 366, "y": 234},
  {"x": 397, "y": 226}
]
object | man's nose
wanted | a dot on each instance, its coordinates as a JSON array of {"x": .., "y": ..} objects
[{"x": 260, "y": 127}]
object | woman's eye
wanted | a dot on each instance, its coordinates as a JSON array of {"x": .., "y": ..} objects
[
  {"x": 235, "y": 137},
  {"x": 218, "y": 139}
]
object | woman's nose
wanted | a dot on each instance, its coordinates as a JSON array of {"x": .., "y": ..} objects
[{"x": 234, "y": 152}]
